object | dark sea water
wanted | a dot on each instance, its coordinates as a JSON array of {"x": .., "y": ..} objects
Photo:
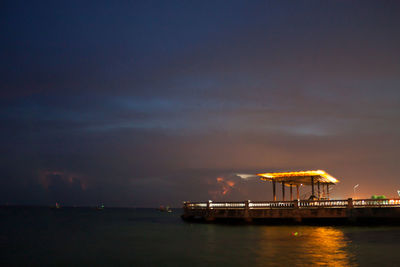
[{"x": 145, "y": 237}]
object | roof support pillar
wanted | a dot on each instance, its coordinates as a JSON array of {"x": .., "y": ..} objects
[
  {"x": 319, "y": 192},
  {"x": 283, "y": 191},
  {"x": 291, "y": 193},
  {"x": 312, "y": 186},
  {"x": 327, "y": 190},
  {"x": 298, "y": 193},
  {"x": 274, "y": 190}
]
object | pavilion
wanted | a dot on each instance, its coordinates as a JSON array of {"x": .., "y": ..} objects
[{"x": 299, "y": 178}]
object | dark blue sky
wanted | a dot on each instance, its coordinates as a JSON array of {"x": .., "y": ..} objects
[{"x": 145, "y": 103}]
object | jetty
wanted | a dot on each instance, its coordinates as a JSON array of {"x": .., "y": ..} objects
[{"x": 317, "y": 208}]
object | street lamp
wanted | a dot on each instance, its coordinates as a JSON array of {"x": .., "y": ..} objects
[{"x": 354, "y": 190}]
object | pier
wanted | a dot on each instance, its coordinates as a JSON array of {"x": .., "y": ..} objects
[
  {"x": 316, "y": 208},
  {"x": 298, "y": 211}
]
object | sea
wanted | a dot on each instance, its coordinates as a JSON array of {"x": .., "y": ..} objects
[{"x": 33, "y": 236}]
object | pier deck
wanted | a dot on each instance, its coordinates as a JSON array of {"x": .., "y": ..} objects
[{"x": 298, "y": 211}]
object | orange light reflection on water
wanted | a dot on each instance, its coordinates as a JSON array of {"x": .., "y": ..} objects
[{"x": 326, "y": 246}]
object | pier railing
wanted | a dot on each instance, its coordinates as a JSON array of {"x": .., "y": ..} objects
[{"x": 344, "y": 203}]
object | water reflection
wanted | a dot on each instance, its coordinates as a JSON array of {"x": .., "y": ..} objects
[{"x": 326, "y": 246}]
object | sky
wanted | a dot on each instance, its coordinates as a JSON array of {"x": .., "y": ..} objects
[{"x": 148, "y": 103}]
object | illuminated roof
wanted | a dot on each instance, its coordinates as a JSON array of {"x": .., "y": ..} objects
[{"x": 301, "y": 177}]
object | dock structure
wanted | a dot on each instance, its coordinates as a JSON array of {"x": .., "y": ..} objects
[
  {"x": 318, "y": 207},
  {"x": 317, "y": 178}
]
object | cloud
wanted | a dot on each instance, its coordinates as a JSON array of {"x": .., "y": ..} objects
[{"x": 48, "y": 178}]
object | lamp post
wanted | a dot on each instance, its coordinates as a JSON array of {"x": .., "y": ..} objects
[{"x": 354, "y": 190}]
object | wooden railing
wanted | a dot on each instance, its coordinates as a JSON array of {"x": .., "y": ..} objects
[
  {"x": 324, "y": 203},
  {"x": 270, "y": 204},
  {"x": 345, "y": 203},
  {"x": 376, "y": 202}
]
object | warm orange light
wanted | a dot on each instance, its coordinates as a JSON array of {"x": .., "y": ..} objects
[
  {"x": 317, "y": 173},
  {"x": 231, "y": 183}
]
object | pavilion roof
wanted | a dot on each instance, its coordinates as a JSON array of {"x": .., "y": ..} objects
[{"x": 299, "y": 177}]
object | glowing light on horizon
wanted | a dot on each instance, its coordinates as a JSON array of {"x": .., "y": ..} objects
[
  {"x": 246, "y": 176},
  {"x": 226, "y": 187}
]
